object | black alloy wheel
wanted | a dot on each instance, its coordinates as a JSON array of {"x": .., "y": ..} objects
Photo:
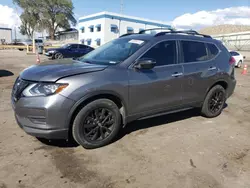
[{"x": 98, "y": 124}]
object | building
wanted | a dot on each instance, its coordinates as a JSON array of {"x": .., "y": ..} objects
[
  {"x": 97, "y": 29},
  {"x": 5, "y": 35},
  {"x": 67, "y": 35}
]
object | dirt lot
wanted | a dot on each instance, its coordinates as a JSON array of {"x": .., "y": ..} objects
[{"x": 174, "y": 151}]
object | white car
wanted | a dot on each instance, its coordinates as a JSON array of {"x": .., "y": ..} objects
[{"x": 239, "y": 59}]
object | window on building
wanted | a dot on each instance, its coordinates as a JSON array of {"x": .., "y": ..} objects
[
  {"x": 130, "y": 30},
  {"x": 98, "y": 42},
  {"x": 88, "y": 42},
  {"x": 163, "y": 53},
  {"x": 91, "y": 28},
  {"x": 98, "y": 27},
  {"x": 113, "y": 28},
  {"x": 194, "y": 51}
]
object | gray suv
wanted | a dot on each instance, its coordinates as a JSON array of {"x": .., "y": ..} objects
[{"x": 133, "y": 77}]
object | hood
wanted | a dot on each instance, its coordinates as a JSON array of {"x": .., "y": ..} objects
[{"x": 51, "y": 71}]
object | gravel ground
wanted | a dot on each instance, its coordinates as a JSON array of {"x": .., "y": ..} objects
[{"x": 182, "y": 150}]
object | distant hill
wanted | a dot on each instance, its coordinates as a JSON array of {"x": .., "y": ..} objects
[{"x": 224, "y": 29}]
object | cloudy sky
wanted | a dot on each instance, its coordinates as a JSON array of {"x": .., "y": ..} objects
[{"x": 193, "y": 14}]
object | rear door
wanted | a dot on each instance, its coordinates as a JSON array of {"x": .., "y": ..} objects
[
  {"x": 198, "y": 60},
  {"x": 159, "y": 88}
]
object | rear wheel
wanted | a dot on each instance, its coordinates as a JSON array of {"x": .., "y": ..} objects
[
  {"x": 97, "y": 124},
  {"x": 214, "y": 102},
  {"x": 239, "y": 64}
]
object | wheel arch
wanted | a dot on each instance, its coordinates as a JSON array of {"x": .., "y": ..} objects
[
  {"x": 223, "y": 83},
  {"x": 116, "y": 98}
]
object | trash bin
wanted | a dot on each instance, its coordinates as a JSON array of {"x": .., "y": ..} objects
[{"x": 40, "y": 49}]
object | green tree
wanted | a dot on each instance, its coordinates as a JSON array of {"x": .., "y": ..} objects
[
  {"x": 52, "y": 14},
  {"x": 29, "y": 24}
]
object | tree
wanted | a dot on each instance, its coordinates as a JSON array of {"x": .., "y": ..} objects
[
  {"x": 29, "y": 24},
  {"x": 52, "y": 14}
]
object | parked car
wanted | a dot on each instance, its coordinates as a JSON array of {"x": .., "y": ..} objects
[
  {"x": 239, "y": 59},
  {"x": 68, "y": 51},
  {"x": 29, "y": 42},
  {"x": 133, "y": 77}
]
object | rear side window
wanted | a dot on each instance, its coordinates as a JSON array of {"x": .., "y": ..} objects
[
  {"x": 213, "y": 50},
  {"x": 164, "y": 53},
  {"x": 194, "y": 51}
]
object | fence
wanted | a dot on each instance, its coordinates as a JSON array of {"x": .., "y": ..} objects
[{"x": 235, "y": 41}]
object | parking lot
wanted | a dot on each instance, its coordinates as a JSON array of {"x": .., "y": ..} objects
[{"x": 174, "y": 151}]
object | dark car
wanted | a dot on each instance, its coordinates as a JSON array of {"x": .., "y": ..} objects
[
  {"x": 68, "y": 51},
  {"x": 133, "y": 77}
]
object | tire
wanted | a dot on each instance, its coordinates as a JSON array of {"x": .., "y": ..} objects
[
  {"x": 207, "y": 108},
  {"x": 239, "y": 64},
  {"x": 91, "y": 116},
  {"x": 20, "y": 49},
  {"x": 58, "y": 56}
]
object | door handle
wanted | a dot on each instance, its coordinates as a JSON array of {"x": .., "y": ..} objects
[
  {"x": 177, "y": 74},
  {"x": 212, "y": 68}
]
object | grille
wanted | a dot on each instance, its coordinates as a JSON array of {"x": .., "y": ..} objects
[{"x": 18, "y": 88}]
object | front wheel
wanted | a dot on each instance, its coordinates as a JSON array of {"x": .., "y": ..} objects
[
  {"x": 58, "y": 56},
  {"x": 214, "y": 102},
  {"x": 97, "y": 124}
]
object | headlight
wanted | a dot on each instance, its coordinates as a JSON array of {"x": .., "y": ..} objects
[
  {"x": 51, "y": 51},
  {"x": 43, "y": 89}
]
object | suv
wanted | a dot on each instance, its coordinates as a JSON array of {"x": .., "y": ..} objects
[{"x": 133, "y": 77}]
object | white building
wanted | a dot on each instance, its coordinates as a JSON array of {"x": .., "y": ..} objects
[
  {"x": 5, "y": 35},
  {"x": 97, "y": 29}
]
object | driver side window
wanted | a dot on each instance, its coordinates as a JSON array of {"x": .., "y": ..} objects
[{"x": 164, "y": 53}]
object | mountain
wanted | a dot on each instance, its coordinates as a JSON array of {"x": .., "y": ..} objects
[{"x": 224, "y": 29}]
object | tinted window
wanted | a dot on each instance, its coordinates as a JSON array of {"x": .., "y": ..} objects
[
  {"x": 164, "y": 53},
  {"x": 38, "y": 41},
  {"x": 83, "y": 46},
  {"x": 73, "y": 46},
  {"x": 213, "y": 50},
  {"x": 194, "y": 51},
  {"x": 234, "y": 53}
]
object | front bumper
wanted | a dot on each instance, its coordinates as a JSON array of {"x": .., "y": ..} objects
[
  {"x": 48, "y": 54},
  {"x": 44, "y": 117}
]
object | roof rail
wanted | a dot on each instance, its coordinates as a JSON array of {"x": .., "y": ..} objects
[
  {"x": 189, "y": 32},
  {"x": 159, "y": 28},
  {"x": 124, "y": 35}
]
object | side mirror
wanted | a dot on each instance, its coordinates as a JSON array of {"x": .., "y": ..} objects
[
  {"x": 145, "y": 63},
  {"x": 244, "y": 57}
]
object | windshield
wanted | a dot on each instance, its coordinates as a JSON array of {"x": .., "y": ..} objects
[
  {"x": 113, "y": 52},
  {"x": 65, "y": 46}
]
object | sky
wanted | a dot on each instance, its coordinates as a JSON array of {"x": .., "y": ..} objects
[{"x": 185, "y": 14}]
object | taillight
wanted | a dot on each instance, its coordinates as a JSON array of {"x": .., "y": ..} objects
[{"x": 232, "y": 61}]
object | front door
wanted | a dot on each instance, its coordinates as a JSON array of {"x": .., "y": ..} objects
[
  {"x": 158, "y": 88},
  {"x": 73, "y": 51}
]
